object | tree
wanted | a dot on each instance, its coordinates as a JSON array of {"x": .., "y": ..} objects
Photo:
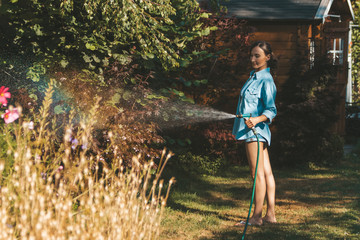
[{"x": 91, "y": 34}]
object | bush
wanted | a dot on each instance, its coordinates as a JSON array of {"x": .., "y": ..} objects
[
  {"x": 198, "y": 164},
  {"x": 307, "y": 113},
  {"x": 204, "y": 148}
]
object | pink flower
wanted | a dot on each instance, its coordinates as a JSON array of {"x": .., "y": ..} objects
[
  {"x": 10, "y": 115},
  {"x": 4, "y": 94}
]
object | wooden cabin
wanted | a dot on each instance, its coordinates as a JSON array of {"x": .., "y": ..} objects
[{"x": 314, "y": 28}]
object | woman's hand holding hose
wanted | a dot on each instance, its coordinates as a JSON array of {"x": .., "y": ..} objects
[{"x": 251, "y": 122}]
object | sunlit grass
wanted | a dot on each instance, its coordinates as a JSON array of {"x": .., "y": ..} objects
[{"x": 312, "y": 203}]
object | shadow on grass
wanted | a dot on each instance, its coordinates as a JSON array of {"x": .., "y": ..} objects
[
  {"x": 195, "y": 194},
  {"x": 181, "y": 207},
  {"x": 330, "y": 191},
  {"x": 267, "y": 232},
  {"x": 348, "y": 221},
  {"x": 308, "y": 231},
  {"x": 204, "y": 189},
  {"x": 317, "y": 191}
]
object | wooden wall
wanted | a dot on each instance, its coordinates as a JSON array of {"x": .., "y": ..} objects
[{"x": 289, "y": 40}]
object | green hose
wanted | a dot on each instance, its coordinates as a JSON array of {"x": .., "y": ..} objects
[{"x": 253, "y": 190}]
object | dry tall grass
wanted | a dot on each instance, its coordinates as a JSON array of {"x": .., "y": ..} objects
[{"x": 62, "y": 190}]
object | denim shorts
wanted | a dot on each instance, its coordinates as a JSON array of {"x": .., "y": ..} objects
[{"x": 253, "y": 139}]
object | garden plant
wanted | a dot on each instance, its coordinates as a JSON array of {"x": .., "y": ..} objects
[{"x": 56, "y": 187}]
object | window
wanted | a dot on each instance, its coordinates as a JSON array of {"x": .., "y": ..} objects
[
  {"x": 311, "y": 53},
  {"x": 336, "y": 52}
]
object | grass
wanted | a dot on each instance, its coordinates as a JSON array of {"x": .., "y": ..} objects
[{"x": 312, "y": 203}]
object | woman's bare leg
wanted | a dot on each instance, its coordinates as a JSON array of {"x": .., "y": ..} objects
[
  {"x": 260, "y": 185},
  {"x": 270, "y": 189}
]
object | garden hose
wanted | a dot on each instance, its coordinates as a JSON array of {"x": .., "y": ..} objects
[
  {"x": 256, "y": 168},
  {"x": 253, "y": 190}
]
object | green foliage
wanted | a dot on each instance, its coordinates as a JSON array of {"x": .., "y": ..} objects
[
  {"x": 355, "y": 51},
  {"x": 204, "y": 148},
  {"x": 330, "y": 149},
  {"x": 220, "y": 55},
  {"x": 307, "y": 114},
  {"x": 196, "y": 164},
  {"x": 92, "y": 34}
]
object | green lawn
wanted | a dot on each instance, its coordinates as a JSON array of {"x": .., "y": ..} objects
[{"x": 316, "y": 203}]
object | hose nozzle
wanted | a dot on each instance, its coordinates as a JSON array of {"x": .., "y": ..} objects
[{"x": 247, "y": 115}]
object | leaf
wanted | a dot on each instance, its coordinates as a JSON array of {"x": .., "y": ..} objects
[
  {"x": 105, "y": 62},
  {"x": 92, "y": 67},
  {"x": 150, "y": 55},
  {"x": 90, "y": 46},
  {"x": 35, "y": 72},
  {"x": 33, "y": 96},
  {"x": 64, "y": 63},
  {"x": 37, "y": 30},
  {"x": 126, "y": 95},
  {"x": 59, "y": 109},
  {"x": 87, "y": 58},
  {"x": 184, "y": 63},
  {"x": 165, "y": 116},
  {"x": 115, "y": 99},
  {"x": 187, "y": 83},
  {"x": 204, "y": 15},
  {"x": 96, "y": 59},
  {"x": 122, "y": 58},
  {"x": 133, "y": 80},
  {"x": 205, "y": 32},
  {"x": 188, "y": 141}
]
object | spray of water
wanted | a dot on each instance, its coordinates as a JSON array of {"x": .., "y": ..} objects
[
  {"x": 173, "y": 114},
  {"x": 169, "y": 114}
]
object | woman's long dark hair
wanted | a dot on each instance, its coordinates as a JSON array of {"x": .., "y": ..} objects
[{"x": 265, "y": 46}]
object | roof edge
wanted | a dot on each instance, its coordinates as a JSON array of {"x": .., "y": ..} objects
[
  {"x": 323, "y": 9},
  {"x": 325, "y": 6},
  {"x": 351, "y": 10}
]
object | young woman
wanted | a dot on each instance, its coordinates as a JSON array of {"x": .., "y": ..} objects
[{"x": 257, "y": 97}]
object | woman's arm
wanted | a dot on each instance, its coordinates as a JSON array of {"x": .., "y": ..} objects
[{"x": 268, "y": 94}]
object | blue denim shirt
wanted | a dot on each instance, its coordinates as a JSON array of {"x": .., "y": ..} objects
[{"x": 257, "y": 97}]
